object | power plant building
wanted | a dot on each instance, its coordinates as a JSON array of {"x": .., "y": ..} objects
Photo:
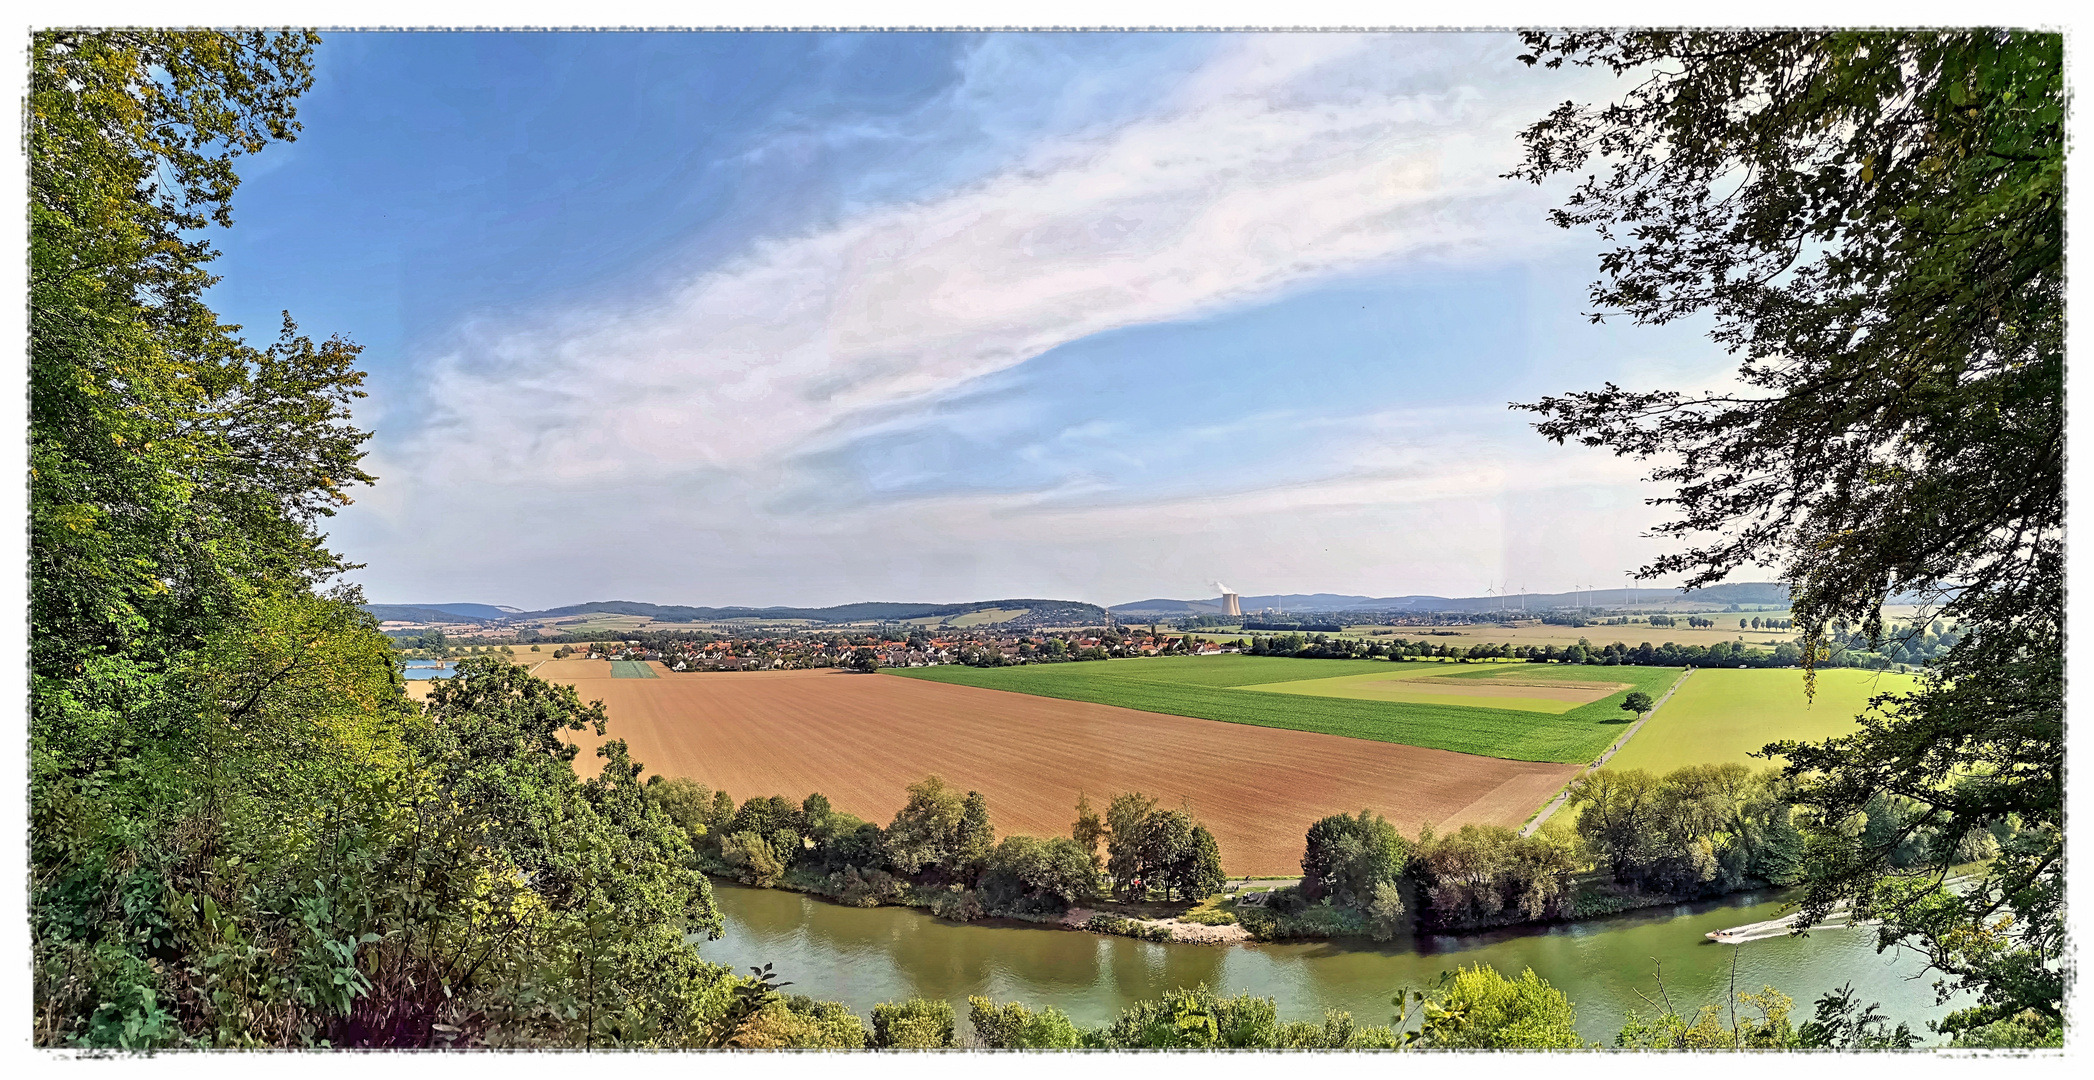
[{"x": 1231, "y": 604}]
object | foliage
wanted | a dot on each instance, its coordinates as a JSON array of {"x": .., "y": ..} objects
[
  {"x": 938, "y": 829},
  {"x": 1475, "y": 1008},
  {"x": 1697, "y": 830},
  {"x": 1102, "y": 923},
  {"x": 1149, "y": 849},
  {"x": 1027, "y": 875},
  {"x": 1484, "y": 875},
  {"x": 2027, "y": 1029},
  {"x": 1012, "y": 1026},
  {"x": 1348, "y": 858},
  {"x": 915, "y": 1024},
  {"x": 802, "y": 1023},
  {"x": 1194, "y": 1019},
  {"x": 1843, "y": 1023},
  {"x": 1765, "y": 1027},
  {"x": 1875, "y": 221}
]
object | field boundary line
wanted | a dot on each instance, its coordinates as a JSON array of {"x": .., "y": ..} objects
[{"x": 1556, "y": 803}]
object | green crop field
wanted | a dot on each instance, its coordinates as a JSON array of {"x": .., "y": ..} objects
[
  {"x": 1550, "y": 688},
  {"x": 1724, "y": 714},
  {"x": 632, "y": 669},
  {"x": 1239, "y": 690}
]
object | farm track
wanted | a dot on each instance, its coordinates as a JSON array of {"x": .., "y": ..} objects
[
  {"x": 1556, "y": 803},
  {"x": 860, "y": 739}
]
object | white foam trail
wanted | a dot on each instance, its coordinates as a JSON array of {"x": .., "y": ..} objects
[{"x": 1838, "y": 919}]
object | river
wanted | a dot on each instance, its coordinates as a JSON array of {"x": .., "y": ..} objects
[{"x": 861, "y": 956}]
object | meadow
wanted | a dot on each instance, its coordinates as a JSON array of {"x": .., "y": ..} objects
[
  {"x": 861, "y": 739},
  {"x": 1241, "y": 690},
  {"x": 1724, "y": 714}
]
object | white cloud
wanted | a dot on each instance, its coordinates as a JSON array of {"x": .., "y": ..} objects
[
  {"x": 667, "y": 426},
  {"x": 1281, "y": 163}
]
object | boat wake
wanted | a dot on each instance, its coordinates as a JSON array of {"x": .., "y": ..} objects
[{"x": 1837, "y": 919}]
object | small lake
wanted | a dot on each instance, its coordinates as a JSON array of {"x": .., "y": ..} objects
[
  {"x": 430, "y": 669},
  {"x": 862, "y": 956}
]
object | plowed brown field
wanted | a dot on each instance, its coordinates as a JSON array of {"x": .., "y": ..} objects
[{"x": 860, "y": 739}]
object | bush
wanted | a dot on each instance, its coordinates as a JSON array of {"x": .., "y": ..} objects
[
  {"x": 1113, "y": 924},
  {"x": 1478, "y": 1009},
  {"x": 860, "y": 889},
  {"x": 1194, "y": 1019},
  {"x": 1027, "y": 875},
  {"x": 1287, "y": 915},
  {"x": 1015, "y": 1027},
  {"x": 1337, "y": 1032},
  {"x": 959, "y": 905},
  {"x": 752, "y": 859},
  {"x": 802, "y": 1023},
  {"x": 2026, "y": 1030},
  {"x": 915, "y": 1024},
  {"x": 1485, "y": 875},
  {"x": 1385, "y": 914},
  {"x": 1209, "y": 917}
]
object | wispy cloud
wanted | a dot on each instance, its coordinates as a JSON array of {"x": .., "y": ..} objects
[
  {"x": 1278, "y": 164},
  {"x": 706, "y": 411}
]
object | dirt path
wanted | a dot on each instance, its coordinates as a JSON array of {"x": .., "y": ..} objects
[{"x": 1557, "y": 802}]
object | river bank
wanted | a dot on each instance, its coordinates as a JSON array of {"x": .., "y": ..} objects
[{"x": 863, "y": 956}]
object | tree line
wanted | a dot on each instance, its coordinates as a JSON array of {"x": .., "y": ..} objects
[{"x": 941, "y": 851}]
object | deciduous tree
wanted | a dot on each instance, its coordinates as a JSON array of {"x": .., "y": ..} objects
[{"x": 1875, "y": 222}]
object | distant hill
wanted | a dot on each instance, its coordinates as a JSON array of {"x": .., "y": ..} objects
[
  {"x": 477, "y": 611},
  {"x": 425, "y": 613},
  {"x": 1754, "y": 593},
  {"x": 1028, "y": 613},
  {"x": 1015, "y": 612}
]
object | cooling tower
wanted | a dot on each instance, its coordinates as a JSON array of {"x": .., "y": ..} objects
[{"x": 1230, "y": 606}]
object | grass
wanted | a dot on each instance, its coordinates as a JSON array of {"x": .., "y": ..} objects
[
  {"x": 632, "y": 669},
  {"x": 1211, "y": 688},
  {"x": 1724, "y": 714}
]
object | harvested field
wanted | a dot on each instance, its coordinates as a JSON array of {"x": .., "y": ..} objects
[{"x": 859, "y": 739}]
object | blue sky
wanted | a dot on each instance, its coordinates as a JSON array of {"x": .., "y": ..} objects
[{"x": 816, "y": 318}]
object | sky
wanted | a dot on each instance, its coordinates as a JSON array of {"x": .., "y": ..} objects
[{"x": 814, "y": 318}]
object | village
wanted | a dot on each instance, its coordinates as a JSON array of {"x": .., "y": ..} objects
[{"x": 915, "y": 649}]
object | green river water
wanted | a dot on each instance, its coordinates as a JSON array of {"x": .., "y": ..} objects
[{"x": 861, "y": 956}]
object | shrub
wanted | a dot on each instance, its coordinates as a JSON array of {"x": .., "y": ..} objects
[
  {"x": 1015, "y": 1027},
  {"x": 753, "y": 860},
  {"x": 959, "y": 905},
  {"x": 915, "y": 1024},
  {"x": 1194, "y": 1019},
  {"x": 802, "y": 1023},
  {"x": 1385, "y": 913},
  {"x": 1113, "y": 924},
  {"x": 1478, "y": 1009},
  {"x": 687, "y": 802},
  {"x": 1485, "y": 875},
  {"x": 1026, "y": 875}
]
